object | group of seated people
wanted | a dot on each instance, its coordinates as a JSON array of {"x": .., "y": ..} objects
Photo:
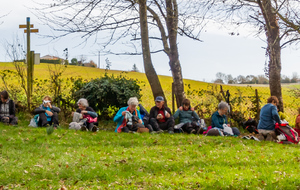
[
  {"x": 160, "y": 118},
  {"x": 130, "y": 119}
]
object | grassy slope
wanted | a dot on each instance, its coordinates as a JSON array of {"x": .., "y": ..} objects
[{"x": 31, "y": 159}]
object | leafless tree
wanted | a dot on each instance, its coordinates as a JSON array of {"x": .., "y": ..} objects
[
  {"x": 277, "y": 19},
  {"x": 17, "y": 54},
  {"x": 111, "y": 21}
]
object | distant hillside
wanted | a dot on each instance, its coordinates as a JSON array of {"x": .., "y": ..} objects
[{"x": 201, "y": 93}]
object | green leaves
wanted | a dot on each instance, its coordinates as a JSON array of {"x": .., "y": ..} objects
[{"x": 108, "y": 93}]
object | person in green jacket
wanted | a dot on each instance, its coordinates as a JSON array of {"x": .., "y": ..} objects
[
  {"x": 218, "y": 119},
  {"x": 187, "y": 117}
]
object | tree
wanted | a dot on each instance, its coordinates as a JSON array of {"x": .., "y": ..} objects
[
  {"x": 295, "y": 77},
  {"x": 230, "y": 79},
  {"x": 108, "y": 64},
  {"x": 121, "y": 20},
  {"x": 219, "y": 81},
  {"x": 82, "y": 60},
  {"x": 91, "y": 64},
  {"x": 262, "y": 79},
  {"x": 274, "y": 18},
  {"x": 149, "y": 69},
  {"x": 74, "y": 61},
  {"x": 134, "y": 68}
]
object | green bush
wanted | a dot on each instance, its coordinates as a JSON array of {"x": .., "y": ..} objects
[{"x": 107, "y": 93}]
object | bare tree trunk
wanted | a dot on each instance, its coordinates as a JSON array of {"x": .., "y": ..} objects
[
  {"x": 149, "y": 69},
  {"x": 274, "y": 49},
  {"x": 172, "y": 25}
]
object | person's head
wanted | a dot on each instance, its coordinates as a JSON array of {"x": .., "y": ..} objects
[
  {"x": 159, "y": 102},
  {"x": 47, "y": 99},
  {"x": 186, "y": 104},
  {"x": 273, "y": 100},
  {"x": 132, "y": 103},
  {"x": 82, "y": 103},
  {"x": 223, "y": 108},
  {"x": 4, "y": 96}
]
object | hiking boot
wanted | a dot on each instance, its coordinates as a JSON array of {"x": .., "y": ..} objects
[
  {"x": 260, "y": 137},
  {"x": 94, "y": 129},
  {"x": 171, "y": 132},
  {"x": 160, "y": 131},
  {"x": 83, "y": 128},
  {"x": 200, "y": 130},
  {"x": 269, "y": 137},
  {"x": 193, "y": 131}
]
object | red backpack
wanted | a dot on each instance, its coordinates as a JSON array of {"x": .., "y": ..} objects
[{"x": 290, "y": 134}]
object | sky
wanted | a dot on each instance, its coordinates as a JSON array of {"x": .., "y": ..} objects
[{"x": 219, "y": 52}]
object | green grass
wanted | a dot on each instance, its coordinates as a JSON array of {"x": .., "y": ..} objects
[{"x": 31, "y": 159}]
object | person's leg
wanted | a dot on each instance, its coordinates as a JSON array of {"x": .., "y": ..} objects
[
  {"x": 92, "y": 127},
  {"x": 14, "y": 121},
  {"x": 163, "y": 126},
  {"x": 271, "y": 136},
  {"x": 55, "y": 119},
  {"x": 187, "y": 127},
  {"x": 220, "y": 132},
  {"x": 154, "y": 124},
  {"x": 195, "y": 126},
  {"x": 135, "y": 127},
  {"x": 125, "y": 129},
  {"x": 235, "y": 131},
  {"x": 42, "y": 120},
  {"x": 170, "y": 124}
]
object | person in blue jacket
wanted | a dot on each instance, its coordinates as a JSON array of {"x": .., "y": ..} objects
[
  {"x": 129, "y": 118},
  {"x": 218, "y": 119},
  {"x": 268, "y": 118}
]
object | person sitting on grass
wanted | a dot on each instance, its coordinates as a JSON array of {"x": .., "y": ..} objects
[
  {"x": 160, "y": 117},
  {"x": 88, "y": 114},
  {"x": 7, "y": 109},
  {"x": 268, "y": 118},
  {"x": 48, "y": 114},
  {"x": 187, "y": 117},
  {"x": 219, "y": 121},
  {"x": 129, "y": 118},
  {"x": 297, "y": 123}
]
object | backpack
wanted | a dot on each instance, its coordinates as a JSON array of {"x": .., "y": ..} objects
[
  {"x": 251, "y": 126},
  {"x": 290, "y": 134}
]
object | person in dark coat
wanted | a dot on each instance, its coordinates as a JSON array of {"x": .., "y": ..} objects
[
  {"x": 48, "y": 114},
  {"x": 7, "y": 109},
  {"x": 160, "y": 117},
  {"x": 87, "y": 113}
]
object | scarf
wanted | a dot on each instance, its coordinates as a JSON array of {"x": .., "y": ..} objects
[{"x": 124, "y": 122}]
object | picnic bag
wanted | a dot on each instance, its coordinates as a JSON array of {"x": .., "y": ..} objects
[
  {"x": 290, "y": 134},
  {"x": 251, "y": 126}
]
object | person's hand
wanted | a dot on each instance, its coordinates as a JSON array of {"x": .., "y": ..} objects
[
  {"x": 140, "y": 121},
  {"x": 6, "y": 117},
  {"x": 83, "y": 112},
  {"x": 123, "y": 113},
  {"x": 228, "y": 125},
  {"x": 167, "y": 115},
  {"x": 159, "y": 117},
  {"x": 180, "y": 108},
  {"x": 192, "y": 109},
  {"x": 49, "y": 105},
  {"x": 49, "y": 113}
]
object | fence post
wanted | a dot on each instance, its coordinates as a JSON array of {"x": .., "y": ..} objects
[
  {"x": 257, "y": 105},
  {"x": 173, "y": 98}
]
